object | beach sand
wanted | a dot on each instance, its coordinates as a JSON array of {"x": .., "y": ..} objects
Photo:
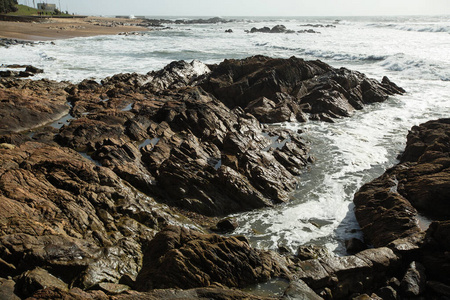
[{"x": 64, "y": 28}]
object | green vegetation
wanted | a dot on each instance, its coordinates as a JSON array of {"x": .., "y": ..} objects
[
  {"x": 7, "y": 6},
  {"x": 23, "y": 10}
]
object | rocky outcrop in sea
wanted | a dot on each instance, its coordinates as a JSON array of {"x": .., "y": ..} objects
[
  {"x": 116, "y": 197},
  {"x": 395, "y": 210}
]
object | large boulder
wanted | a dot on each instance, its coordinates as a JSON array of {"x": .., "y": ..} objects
[{"x": 181, "y": 258}]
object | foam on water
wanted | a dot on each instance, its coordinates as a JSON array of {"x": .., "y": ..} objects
[{"x": 412, "y": 51}]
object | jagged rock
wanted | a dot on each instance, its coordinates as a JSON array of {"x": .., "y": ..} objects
[
  {"x": 177, "y": 74},
  {"x": 33, "y": 70},
  {"x": 291, "y": 88},
  {"x": 180, "y": 258},
  {"x": 31, "y": 281},
  {"x": 414, "y": 282},
  {"x": 197, "y": 154},
  {"x": 275, "y": 29},
  {"x": 308, "y": 31},
  {"x": 435, "y": 252},
  {"x": 62, "y": 212},
  {"x": 85, "y": 220},
  {"x": 427, "y": 183},
  {"x": 278, "y": 29},
  {"x": 344, "y": 276},
  {"x": 386, "y": 207},
  {"x": 26, "y": 104},
  {"x": 311, "y": 252},
  {"x": 111, "y": 288},
  {"x": 264, "y": 29}
]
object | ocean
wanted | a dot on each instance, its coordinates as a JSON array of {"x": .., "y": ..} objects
[{"x": 414, "y": 52}]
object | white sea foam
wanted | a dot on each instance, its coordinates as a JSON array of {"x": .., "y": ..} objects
[{"x": 413, "y": 52}]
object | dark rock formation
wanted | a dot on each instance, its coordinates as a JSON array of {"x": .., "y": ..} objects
[
  {"x": 167, "y": 294},
  {"x": 386, "y": 207},
  {"x": 226, "y": 225},
  {"x": 308, "y": 31},
  {"x": 78, "y": 204},
  {"x": 275, "y": 29},
  {"x": 31, "y": 281},
  {"x": 277, "y": 90},
  {"x": 181, "y": 144},
  {"x": 181, "y": 258},
  {"x": 414, "y": 281},
  {"x": 427, "y": 181},
  {"x": 27, "y": 71},
  {"x": 344, "y": 276}
]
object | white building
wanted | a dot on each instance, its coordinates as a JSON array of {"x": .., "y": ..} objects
[{"x": 46, "y": 7}]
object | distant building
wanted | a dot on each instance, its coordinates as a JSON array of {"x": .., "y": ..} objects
[{"x": 46, "y": 7}]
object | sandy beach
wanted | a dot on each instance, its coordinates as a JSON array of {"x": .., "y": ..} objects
[{"x": 62, "y": 28}]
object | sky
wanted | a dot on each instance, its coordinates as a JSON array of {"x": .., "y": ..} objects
[{"x": 251, "y": 7}]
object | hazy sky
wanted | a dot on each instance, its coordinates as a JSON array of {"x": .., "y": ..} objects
[{"x": 251, "y": 7}]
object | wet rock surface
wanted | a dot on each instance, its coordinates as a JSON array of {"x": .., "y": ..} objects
[
  {"x": 181, "y": 258},
  {"x": 388, "y": 207},
  {"x": 182, "y": 145},
  {"x": 278, "y": 90},
  {"x": 81, "y": 214},
  {"x": 79, "y": 221},
  {"x": 26, "y": 104}
]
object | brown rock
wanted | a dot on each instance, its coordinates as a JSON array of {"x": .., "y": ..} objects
[
  {"x": 386, "y": 207},
  {"x": 27, "y": 104},
  {"x": 72, "y": 294},
  {"x": 7, "y": 288},
  {"x": 31, "y": 281},
  {"x": 61, "y": 211},
  {"x": 198, "y": 293},
  {"x": 180, "y": 258}
]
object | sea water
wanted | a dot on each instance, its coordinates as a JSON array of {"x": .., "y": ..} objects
[{"x": 413, "y": 52}]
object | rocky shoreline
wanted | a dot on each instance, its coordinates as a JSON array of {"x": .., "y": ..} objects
[{"x": 118, "y": 203}]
